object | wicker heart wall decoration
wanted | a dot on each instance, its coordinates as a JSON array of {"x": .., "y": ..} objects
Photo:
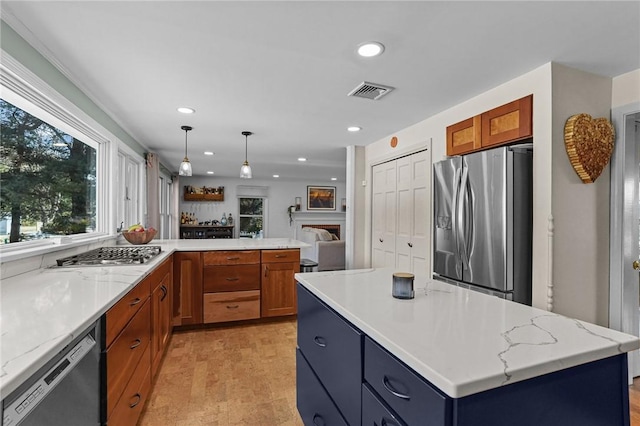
[{"x": 589, "y": 144}]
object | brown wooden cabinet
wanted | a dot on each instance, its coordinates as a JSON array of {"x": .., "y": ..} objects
[
  {"x": 127, "y": 353},
  {"x": 508, "y": 123},
  {"x": 505, "y": 124},
  {"x": 464, "y": 136},
  {"x": 278, "y": 296},
  {"x": 161, "y": 312},
  {"x": 187, "y": 288},
  {"x": 231, "y": 281}
]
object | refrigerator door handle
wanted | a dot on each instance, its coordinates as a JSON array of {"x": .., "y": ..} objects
[
  {"x": 469, "y": 214},
  {"x": 463, "y": 219},
  {"x": 454, "y": 210}
]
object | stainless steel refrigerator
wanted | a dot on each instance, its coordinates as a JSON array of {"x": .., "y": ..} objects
[{"x": 483, "y": 215}]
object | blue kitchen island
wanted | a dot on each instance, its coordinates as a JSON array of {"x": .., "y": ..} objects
[{"x": 449, "y": 357}]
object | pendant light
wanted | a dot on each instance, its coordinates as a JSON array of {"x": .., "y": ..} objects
[
  {"x": 185, "y": 166},
  {"x": 245, "y": 170}
]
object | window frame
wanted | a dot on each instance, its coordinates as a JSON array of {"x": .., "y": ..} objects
[
  {"x": 263, "y": 215},
  {"x": 24, "y": 89}
]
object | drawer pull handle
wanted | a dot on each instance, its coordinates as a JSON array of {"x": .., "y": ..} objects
[
  {"x": 266, "y": 271},
  {"x": 232, "y": 279},
  {"x": 233, "y": 258},
  {"x": 164, "y": 292},
  {"x": 136, "y": 343},
  {"x": 320, "y": 341},
  {"x": 280, "y": 256},
  {"x": 316, "y": 418},
  {"x": 135, "y": 301},
  {"x": 232, "y": 306},
  {"x": 410, "y": 244},
  {"x": 138, "y": 399},
  {"x": 392, "y": 391}
]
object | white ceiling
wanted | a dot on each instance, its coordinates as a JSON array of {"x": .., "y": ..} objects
[{"x": 283, "y": 69}]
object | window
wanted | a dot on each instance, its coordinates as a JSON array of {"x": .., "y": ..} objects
[
  {"x": 48, "y": 179},
  {"x": 165, "y": 187},
  {"x": 251, "y": 220},
  {"x": 128, "y": 180}
]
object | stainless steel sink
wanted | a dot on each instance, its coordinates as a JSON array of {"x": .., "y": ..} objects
[{"x": 108, "y": 256}]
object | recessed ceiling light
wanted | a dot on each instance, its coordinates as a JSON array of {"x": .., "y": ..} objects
[
  {"x": 208, "y": 153},
  {"x": 276, "y": 176},
  {"x": 334, "y": 178},
  {"x": 186, "y": 110},
  {"x": 370, "y": 49},
  {"x": 354, "y": 128},
  {"x": 209, "y": 172},
  {"x": 302, "y": 159}
]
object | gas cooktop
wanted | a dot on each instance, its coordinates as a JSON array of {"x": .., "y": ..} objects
[{"x": 106, "y": 256}]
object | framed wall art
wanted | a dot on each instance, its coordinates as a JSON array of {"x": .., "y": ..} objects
[{"x": 321, "y": 197}]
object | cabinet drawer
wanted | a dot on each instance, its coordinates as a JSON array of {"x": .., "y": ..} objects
[
  {"x": 231, "y": 278},
  {"x": 127, "y": 410},
  {"x": 125, "y": 353},
  {"x": 415, "y": 401},
  {"x": 231, "y": 257},
  {"x": 279, "y": 256},
  {"x": 231, "y": 306},
  {"x": 376, "y": 412},
  {"x": 120, "y": 313},
  {"x": 333, "y": 349},
  {"x": 314, "y": 405}
]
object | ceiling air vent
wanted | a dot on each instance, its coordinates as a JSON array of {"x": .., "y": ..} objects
[{"x": 371, "y": 91}]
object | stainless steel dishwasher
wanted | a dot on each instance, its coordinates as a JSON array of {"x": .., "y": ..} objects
[{"x": 66, "y": 391}]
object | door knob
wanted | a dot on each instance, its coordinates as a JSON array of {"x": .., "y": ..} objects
[{"x": 636, "y": 265}]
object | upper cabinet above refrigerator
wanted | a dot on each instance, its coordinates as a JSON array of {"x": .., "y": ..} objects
[{"x": 504, "y": 124}]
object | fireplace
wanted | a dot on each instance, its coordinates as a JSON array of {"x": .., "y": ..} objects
[{"x": 332, "y": 228}]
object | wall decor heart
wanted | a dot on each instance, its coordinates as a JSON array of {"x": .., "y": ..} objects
[{"x": 589, "y": 144}]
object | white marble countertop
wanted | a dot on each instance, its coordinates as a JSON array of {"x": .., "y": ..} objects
[
  {"x": 44, "y": 310},
  {"x": 462, "y": 341}
]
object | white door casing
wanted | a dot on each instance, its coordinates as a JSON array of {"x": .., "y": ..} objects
[{"x": 624, "y": 233}]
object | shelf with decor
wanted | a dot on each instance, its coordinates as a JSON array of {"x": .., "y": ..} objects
[{"x": 203, "y": 193}]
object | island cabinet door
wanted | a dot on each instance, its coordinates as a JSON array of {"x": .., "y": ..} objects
[
  {"x": 314, "y": 405},
  {"x": 416, "y": 401},
  {"x": 376, "y": 412},
  {"x": 333, "y": 349}
]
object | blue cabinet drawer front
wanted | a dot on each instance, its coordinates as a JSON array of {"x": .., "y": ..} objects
[
  {"x": 333, "y": 349},
  {"x": 415, "y": 401},
  {"x": 374, "y": 411},
  {"x": 314, "y": 405}
]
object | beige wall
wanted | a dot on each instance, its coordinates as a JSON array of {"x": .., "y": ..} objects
[
  {"x": 626, "y": 89},
  {"x": 580, "y": 211}
]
